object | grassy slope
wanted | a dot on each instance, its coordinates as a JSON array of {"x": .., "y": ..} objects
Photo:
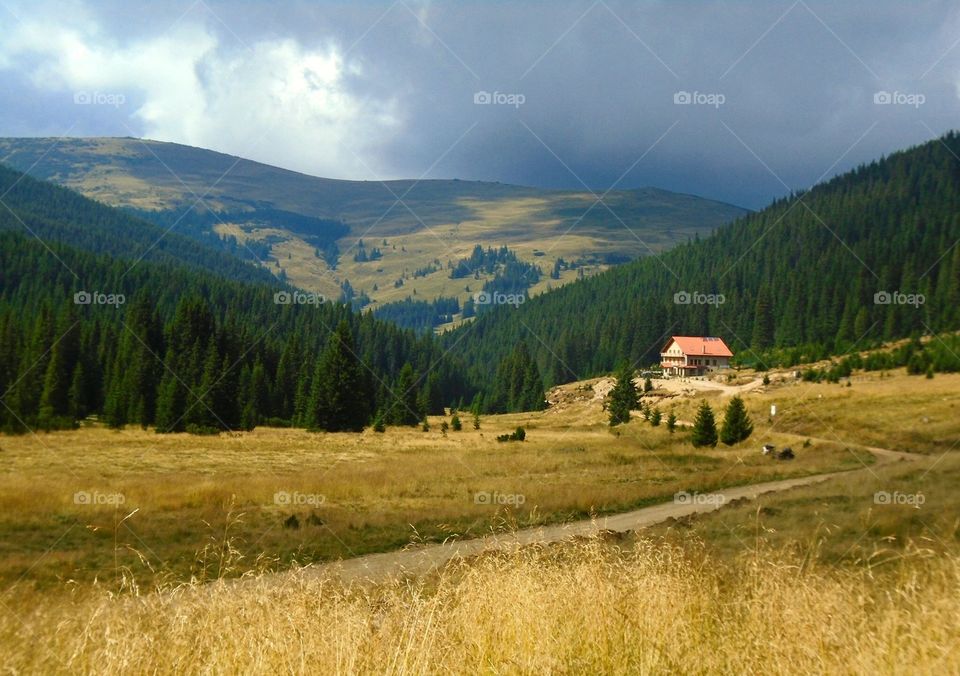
[{"x": 445, "y": 219}]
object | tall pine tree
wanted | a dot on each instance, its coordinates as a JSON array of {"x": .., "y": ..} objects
[
  {"x": 340, "y": 398},
  {"x": 623, "y": 397},
  {"x": 736, "y": 423},
  {"x": 405, "y": 409}
]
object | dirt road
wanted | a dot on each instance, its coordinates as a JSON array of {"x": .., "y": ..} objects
[{"x": 425, "y": 559}]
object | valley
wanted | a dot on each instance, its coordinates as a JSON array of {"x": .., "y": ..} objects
[{"x": 479, "y": 338}]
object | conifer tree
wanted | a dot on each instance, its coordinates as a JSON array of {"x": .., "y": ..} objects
[
  {"x": 704, "y": 427},
  {"x": 79, "y": 404},
  {"x": 762, "y": 320},
  {"x": 623, "y": 396},
  {"x": 256, "y": 396},
  {"x": 340, "y": 401},
  {"x": 55, "y": 396},
  {"x": 517, "y": 385},
  {"x": 201, "y": 413},
  {"x": 736, "y": 423},
  {"x": 287, "y": 380},
  {"x": 171, "y": 402},
  {"x": 405, "y": 408},
  {"x": 54, "y": 400}
]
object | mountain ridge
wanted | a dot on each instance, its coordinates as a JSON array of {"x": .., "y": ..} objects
[{"x": 438, "y": 221}]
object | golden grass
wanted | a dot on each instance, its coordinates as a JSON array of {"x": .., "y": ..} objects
[
  {"x": 576, "y": 608},
  {"x": 817, "y": 579},
  {"x": 842, "y": 522},
  {"x": 360, "y": 493},
  {"x": 890, "y": 410}
]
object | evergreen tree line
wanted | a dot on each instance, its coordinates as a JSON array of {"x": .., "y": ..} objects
[
  {"x": 420, "y": 315},
  {"x": 940, "y": 354},
  {"x": 200, "y": 343},
  {"x": 192, "y": 351},
  {"x": 482, "y": 261},
  {"x": 802, "y": 279}
]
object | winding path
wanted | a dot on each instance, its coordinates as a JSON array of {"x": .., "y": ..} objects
[{"x": 425, "y": 559}]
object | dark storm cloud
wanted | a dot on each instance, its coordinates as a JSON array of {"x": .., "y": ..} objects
[{"x": 781, "y": 93}]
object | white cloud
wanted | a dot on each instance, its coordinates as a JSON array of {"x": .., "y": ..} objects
[{"x": 274, "y": 100}]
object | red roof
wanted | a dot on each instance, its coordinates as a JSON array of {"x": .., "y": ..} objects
[{"x": 705, "y": 345}]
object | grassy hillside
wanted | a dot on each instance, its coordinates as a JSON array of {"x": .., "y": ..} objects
[
  {"x": 439, "y": 220},
  {"x": 48, "y": 214}
]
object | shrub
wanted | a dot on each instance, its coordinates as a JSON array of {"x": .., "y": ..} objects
[{"x": 517, "y": 435}]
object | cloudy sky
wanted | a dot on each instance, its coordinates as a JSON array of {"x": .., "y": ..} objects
[{"x": 738, "y": 101}]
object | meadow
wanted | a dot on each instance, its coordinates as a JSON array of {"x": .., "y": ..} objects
[
  {"x": 102, "y": 504},
  {"x": 200, "y": 570}
]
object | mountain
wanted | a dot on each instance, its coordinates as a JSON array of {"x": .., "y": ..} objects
[
  {"x": 867, "y": 256},
  {"x": 307, "y": 229}
]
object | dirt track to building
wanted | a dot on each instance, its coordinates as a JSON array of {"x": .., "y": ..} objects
[{"x": 425, "y": 559}]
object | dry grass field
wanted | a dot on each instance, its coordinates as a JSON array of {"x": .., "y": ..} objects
[
  {"x": 891, "y": 410},
  {"x": 873, "y": 521},
  {"x": 350, "y": 494},
  {"x": 581, "y": 608},
  {"x": 823, "y": 579}
]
